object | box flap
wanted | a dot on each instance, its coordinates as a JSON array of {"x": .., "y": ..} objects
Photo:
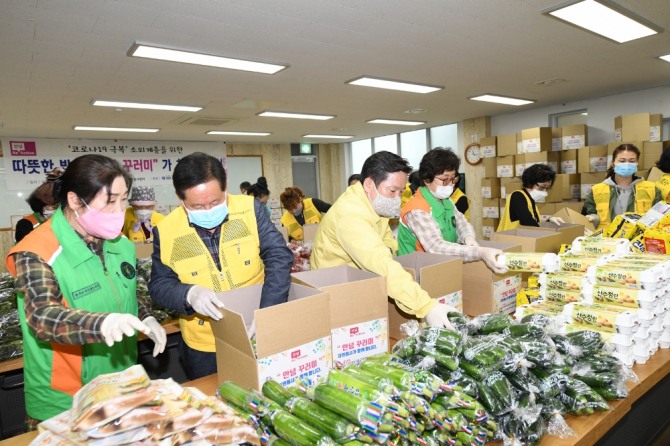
[
  {"x": 309, "y": 232},
  {"x": 569, "y": 215},
  {"x": 283, "y": 231},
  {"x": 655, "y": 174},
  {"x": 417, "y": 261},
  {"x": 232, "y": 331}
]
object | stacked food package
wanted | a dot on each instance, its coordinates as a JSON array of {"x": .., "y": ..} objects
[
  {"x": 649, "y": 232},
  {"x": 129, "y": 408},
  {"x": 301, "y": 254},
  {"x": 11, "y": 340},
  {"x": 143, "y": 275}
]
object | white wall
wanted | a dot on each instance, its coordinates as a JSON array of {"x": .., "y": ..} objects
[{"x": 601, "y": 113}]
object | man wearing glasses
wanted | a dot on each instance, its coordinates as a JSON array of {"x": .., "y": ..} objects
[
  {"x": 431, "y": 222},
  {"x": 521, "y": 207}
]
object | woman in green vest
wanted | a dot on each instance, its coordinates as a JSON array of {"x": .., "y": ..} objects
[
  {"x": 300, "y": 211},
  {"x": 77, "y": 282},
  {"x": 430, "y": 222},
  {"x": 621, "y": 191}
]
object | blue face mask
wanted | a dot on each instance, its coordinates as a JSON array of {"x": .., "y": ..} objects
[
  {"x": 625, "y": 169},
  {"x": 209, "y": 218}
]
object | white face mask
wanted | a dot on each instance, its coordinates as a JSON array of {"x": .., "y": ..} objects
[
  {"x": 443, "y": 192},
  {"x": 143, "y": 214},
  {"x": 538, "y": 195},
  {"x": 48, "y": 212},
  {"x": 385, "y": 206}
]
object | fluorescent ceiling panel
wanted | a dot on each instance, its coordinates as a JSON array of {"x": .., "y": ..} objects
[
  {"x": 277, "y": 114},
  {"x": 154, "y": 52},
  {"x": 606, "y": 19},
  {"x": 329, "y": 136},
  {"x": 501, "y": 99},
  {"x": 114, "y": 129},
  {"x": 665, "y": 58},
  {"x": 376, "y": 82},
  {"x": 217, "y": 132},
  {"x": 145, "y": 106},
  {"x": 394, "y": 122}
]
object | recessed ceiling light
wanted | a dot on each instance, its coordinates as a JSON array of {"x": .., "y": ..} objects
[
  {"x": 377, "y": 82},
  {"x": 329, "y": 136},
  {"x": 277, "y": 114},
  {"x": 114, "y": 129},
  {"x": 665, "y": 58},
  {"x": 217, "y": 132},
  {"x": 605, "y": 19},
  {"x": 502, "y": 99},
  {"x": 394, "y": 121},
  {"x": 123, "y": 104},
  {"x": 154, "y": 52}
]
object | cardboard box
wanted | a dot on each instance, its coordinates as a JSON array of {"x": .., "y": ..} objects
[
  {"x": 309, "y": 232},
  {"x": 283, "y": 231},
  {"x": 490, "y": 187},
  {"x": 490, "y": 208},
  {"x": 571, "y": 216},
  {"x": 531, "y": 240},
  {"x": 592, "y": 159},
  {"x": 655, "y": 174},
  {"x": 588, "y": 180},
  {"x": 144, "y": 250},
  {"x": 519, "y": 164},
  {"x": 556, "y": 139},
  {"x": 358, "y": 310},
  {"x": 509, "y": 185},
  {"x": 546, "y": 210},
  {"x": 617, "y": 128},
  {"x": 486, "y": 292},
  {"x": 490, "y": 167},
  {"x": 440, "y": 276},
  {"x": 652, "y": 152},
  {"x": 487, "y": 146},
  {"x": 575, "y": 205},
  {"x": 556, "y": 191},
  {"x": 519, "y": 144},
  {"x": 574, "y": 136},
  {"x": 571, "y": 186},
  {"x": 568, "y": 231},
  {"x": 489, "y": 226},
  {"x": 538, "y": 139},
  {"x": 569, "y": 161},
  {"x": 641, "y": 126},
  {"x": 505, "y": 166},
  {"x": 282, "y": 352},
  {"x": 551, "y": 159},
  {"x": 506, "y": 144}
]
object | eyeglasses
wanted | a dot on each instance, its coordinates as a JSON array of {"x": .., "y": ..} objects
[
  {"x": 543, "y": 188},
  {"x": 447, "y": 181}
]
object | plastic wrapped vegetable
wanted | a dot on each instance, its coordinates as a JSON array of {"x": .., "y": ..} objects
[
  {"x": 366, "y": 414},
  {"x": 337, "y": 427},
  {"x": 297, "y": 432}
]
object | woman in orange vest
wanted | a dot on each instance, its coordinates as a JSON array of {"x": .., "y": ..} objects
[
  {"x": 300, "y": 211},
  {"x": 621, "y": 191},
  {"x": 41, "y": 202}
]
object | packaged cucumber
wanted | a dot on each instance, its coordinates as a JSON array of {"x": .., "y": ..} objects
[
  {"x": 298, "y": 432},
  {"x": 337, "y": 427}
]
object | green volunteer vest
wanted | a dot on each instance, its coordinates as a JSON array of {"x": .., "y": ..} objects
[
  {"x": 442, "y": 212},
  {"x": 85, "y": 285}
]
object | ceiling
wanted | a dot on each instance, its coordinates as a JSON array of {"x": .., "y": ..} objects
[{"x": 57, "y": 55}]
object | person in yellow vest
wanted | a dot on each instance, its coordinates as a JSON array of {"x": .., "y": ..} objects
[
  {"x": 460, "y": 200},
  {"x": 621, "y": 191},
  {"x": 42, "y": 204},
  {"x": 141, "y": 217},
  {"x": 521, "y": 205},
  {"x": 431, "y": 222},
  {"x": 663, "y": 183},
  {"x": 355, "y": 232},
  {"x": 413, "y": 184},
  {"x": 76, "y": 288},
  {"x": 213, "y": 242},
  {"x": 300, "y": 211}
]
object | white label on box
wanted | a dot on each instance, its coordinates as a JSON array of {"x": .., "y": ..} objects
[
  {"x": 617, "y": 135},
  {"x": 519, "y": 147},
  {"x": 454, "y": 299},
  {"x": 655, "y": 133},
  {"x": 584, "y": 190},
  {"x": 575, "y": 191},
  {"x": 491, "y": 212},
  {"x": 312, "y": 360},
  {"x": 506, "y": 171},
  {"x": 358, "y": 341},
  {"x": 572, "y": 142},
  {"x": 531, "y": 145},
  {"x": 504, "y": 294},
  {"x": 569, "y": 166},
  {"x": 486, "y": 192},
  {"x": 520, "y": 168},
  {"x": 556, "y": 144},
  {"x": 488, "y": 151},
  {"x": 598, "y": 164},
  {"x": 488, "y": 231},
  {"x": 503, "y": 192}
]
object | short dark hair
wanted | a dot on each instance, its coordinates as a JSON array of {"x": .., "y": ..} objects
[
  {"x": 622, "y": 148},
  {"x": 379, "y": 165},
  {"x": 87, "y": 175},
  {"x": 291, "y": 197},
  {"x": 436, "y": 162},
  {"x": 197, "y": 168},
  {"x": 537, "y": 173},
  {"x": 35, "y": 203},
  {"x": 414, "y": 181},
  {"x": 354, "y": 177},
  {"x": 245, "y": 185},
  {"x": 259, "y": 189},
  {"x": 664, "y": 162}
]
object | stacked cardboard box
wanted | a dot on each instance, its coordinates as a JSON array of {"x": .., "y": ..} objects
[{"x": 639, "y": 126}]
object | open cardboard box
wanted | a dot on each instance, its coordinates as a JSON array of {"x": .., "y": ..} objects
[
  {"x": 358, "y": 310},
  {"x": 292, "y": 339},
  {"x": 531, "y": 240},
  {"x": 283, "y": 231},
  {"x": 439, "y": 275},
  {"x": 309, "y": 232},
  {"x": 569, "y": 231},
  {"x": 571, "y": 216},
  {"x": 487, "y": 292}
]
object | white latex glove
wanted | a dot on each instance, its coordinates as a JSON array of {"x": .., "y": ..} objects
[
  {"x": 558, "y": 221},
  {"x": 437, "y": 317},
  {"x": 590, "y": 218},
  {"x": 157, "y": 334},
  {"x": 251, "y": 331},
  {"x": 115, "y": 325},
  {"x": 490, "y": 257},
  {"x": 204, "y": 301},
  {"x": 470, "y": 241}
]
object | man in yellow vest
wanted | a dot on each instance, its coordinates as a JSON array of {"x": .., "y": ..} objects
[
  {"x": 300, "y": 211},
  {"x": 141, "y": 217},
  {"x": 213, "y": 242},
  {"x": 356, "y": 232}
]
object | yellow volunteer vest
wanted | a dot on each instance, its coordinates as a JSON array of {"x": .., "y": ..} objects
[
  {"x": 312, "y": 216},
  {"x": 645, "y": 192},
  {"x": 457, "y": 196},
  {"x": 239, "y": 253},
  {"x": 506, "y": 222},
  {"x": 406, "y": 195},
  {"x": 664, "y": 185},
  {"x": 131, "y": 220}
]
